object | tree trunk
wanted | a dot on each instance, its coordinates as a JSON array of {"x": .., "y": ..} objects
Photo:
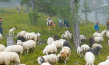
[
  {"x": 76, "y": 30},
  {"x": 96, "y": 18},
  {"x": 27, "y": 8},
  {"x": 86, "y": 18},
  {"x": 32, "y": 2}
]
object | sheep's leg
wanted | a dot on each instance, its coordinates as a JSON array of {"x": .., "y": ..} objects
[{"x": 65, "y": 61}]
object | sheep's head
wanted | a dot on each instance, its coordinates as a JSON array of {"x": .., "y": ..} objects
[
  {"x": 45, "y": 51},
  {"x": 40, "y": 60},
  {"x": 19, "y": 42},
  {"x": 38, "y": 34}
]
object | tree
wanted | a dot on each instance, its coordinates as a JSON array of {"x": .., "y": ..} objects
[
  {"x": 86, "y": 10},
  {"x": 76, "y": 31},
  {"x": 95, "y": 8}
]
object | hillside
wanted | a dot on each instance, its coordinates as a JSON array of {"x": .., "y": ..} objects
[{"x": 11, "y": 18}]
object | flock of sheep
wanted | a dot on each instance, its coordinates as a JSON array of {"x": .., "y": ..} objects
[{"x": 61, "y": 47}]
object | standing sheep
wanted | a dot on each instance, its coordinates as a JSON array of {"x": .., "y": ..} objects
[
  {"x": 89, "y": 58},
  {"x": 96, "y": 45},
  {"x": 50, "y": 40},
  {"x": 11, "y": 31},
  {"x": 66, "y": 43},
  {"x": 21, "y": 34},
  {"x": 2, "y": 47},
  {"x": 83, "y": 38},
  {"x": 98, "y": 39}
]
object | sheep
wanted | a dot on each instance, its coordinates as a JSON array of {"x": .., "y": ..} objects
[
  {"x": 50, "y": 40},
  {"x": 46, "y": 63},
  {"x": 96, "y": 34},
  {"x": 2, "y": 47},
  {"x": 107, "y": 34},
  {"x": 22, "y": 64},
  {"x": 30, "y": 44},
  {"x": 66, "y": 43},
  {"x": 103, "y": 33},
  {"x": 83, "y": 38},
  {"x": 96, "y": 45},
  {"x": 107, "y": 57},
  {"x": 30, "y": 36},
  {"x": 1, "y": 36},
  {"x": 37, "y": 36},
  {"x": 62, "y": 36},
  {"x": 21, "y": 34},
  {"x": 4, "y": 58},
  {"x": 79, "y": 50},
  {"x": 64, "y": 54},
  {"x": 104, "y": 63},
  {"x": 50, "y": 49},
  {"x": 52, "y": 58},
  {"x": 11, "y": 31},
  {"x": 21, "y": 38},
  {"x": 85, "y": 47},
  {"x": 91, "y": 41},
  {"x": 62, "y": 41},
  {"x": 57, "y": 43},
  {"x": 89, "y": 58},
  {"x": 14, "y": 48},
  {"x": 98, "y": 39}
]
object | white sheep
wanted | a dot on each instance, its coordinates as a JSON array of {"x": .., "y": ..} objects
[
  {"x": 96, "y": 45},
  {"x": 85, "y": 47},
  {"x": 96, "y": 34},
  {"x": 107, "y": 34},
  {"x": 104, "y": 63},
  {"x": 4, "y": 58},
  {"x": 1, "y": 36},
  {"x": 57, "y": 43},
  {"x": 46, "y": 63},
  {"x": 11, "y": 31},
  {"x": 50, "y": 40},
  {"x": 14, "y": 48},
  {"x": 83, "y": 38},
  {"x": 50, "y": 49},
  {"x": 2, "y": 47},
  {"x": 62, "y": 36},
  {"x": 30, "y": 44},
  {"x": 98, "y": 39},
  {"x": 37, "y": 36},
  {"x": 21, "y": 34},
  {"x": 89, "y": 58},
  {"x": 103, "y": 33},
  {"x": 30, "y": 36},
  {"x": 79, "y": 50},
  {"x": 52, "y": 58}
]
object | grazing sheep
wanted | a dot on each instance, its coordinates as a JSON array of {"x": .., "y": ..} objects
[
  {"x": 95, "y": 50},
  {"x": 83, "y": 38},
  {"x": 11, "y": 31},
  {"x": 66, "y": 43},
  {"x": 30, "y": 44},
  {"x": 4, "y": 58},
  {"x": 107, "y": 34},
  {"x": 64, "y": 54},
  {"x": 14, "y": 48},
  {"x": 30, "y": 36},
  {"x": 96, "y": 45},
  {"x": 98, "y": 39},
  {"x": 1, "y": 36},
  {"x": 79, "y": 50},
  {"x": 50, "y": 40},
  {"x": 52, "y": 58},
  {"x": 103, "y": 33},
  {"x": 85, "y": 47},
  {"x": 2, "y": 47},
  {"x": 104, "y": 63},
  {"x": 96, "y": 34},
  {"x": 50, "y": 49},
  {"x": 46, "y": 63},
  {"x": 89, "y": 58},
  {"x": 57, "y": 43},
  {"x": 91, "y": 41},
  {"x": 21, "y": 38},
  {"x": 21, "y": 34}
]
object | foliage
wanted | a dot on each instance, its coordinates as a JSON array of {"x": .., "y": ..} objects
[{"x": 33, "y": 17}]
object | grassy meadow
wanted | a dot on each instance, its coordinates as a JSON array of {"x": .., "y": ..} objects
[{"x": 11, "y": 18}]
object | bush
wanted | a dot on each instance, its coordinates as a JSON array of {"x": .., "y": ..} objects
[{"x": 33, "y": 17}]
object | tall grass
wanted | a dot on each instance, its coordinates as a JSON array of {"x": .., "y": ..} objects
[{"x": 11, "y": 18}]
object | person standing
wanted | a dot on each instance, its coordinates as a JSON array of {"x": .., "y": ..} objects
[
  {"x": 1, "y": 31},
  {"x": 18, "y": 8},
  {"x": 50, "y": 22},
  {"x": 107, "y": 24},
  {"x": 60, "y": 23},
  {"x": 96, "y": 27}
]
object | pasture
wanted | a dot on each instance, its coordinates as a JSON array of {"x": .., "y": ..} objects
[{"x": 11, "y": 18}]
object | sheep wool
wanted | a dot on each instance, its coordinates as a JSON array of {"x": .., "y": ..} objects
[{"x": 2, "y": 47}]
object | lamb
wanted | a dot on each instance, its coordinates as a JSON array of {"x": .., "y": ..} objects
[
  {"x": 52, "y": 58},
  {"x": 91, "y": 41},
  {"x": 1, "y": 36},
  {"x": 79, "y": 50},
  {"x": 2, "y": 47},
  {"x": 83, "y": 38},
  {"x": 37, "y": 36},
  {"x": 103, "y": 33},
  {"x": 50, "y": 49},
  {"x": 104, "y": 63},
  {"x": 96, "y": 34},
  {"x": 11, "y": 31},
  {"x": 30, "y": 44},
  {"x": 46, "y": 63},
  {"x": 21, "y": 34},
  {"x": 64, "y": 54},
  {"x": 50, "y": 40},
  {"x": 66, "y": 43},
  {"x": 98, "y": 39},
  {"x": 89, "y": 58},
  {"x": 14, "y": 48},
  {"x": 96, "y": 45}
]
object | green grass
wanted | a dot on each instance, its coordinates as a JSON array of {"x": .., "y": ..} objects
[{"x": 11, "y": 18}]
